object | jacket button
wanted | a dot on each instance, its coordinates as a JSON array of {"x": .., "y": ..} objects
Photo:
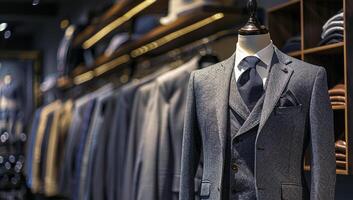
[{"x": 235, "y": 167}]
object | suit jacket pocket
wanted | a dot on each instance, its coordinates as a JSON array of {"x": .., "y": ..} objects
[
  {"x": 205, "y": 189},
  {"x": 176, "y": 184},
  {"x": 287, "y": 110},
  {"x": 292, "y": 192},
  {"x": 288, "y": 99}
]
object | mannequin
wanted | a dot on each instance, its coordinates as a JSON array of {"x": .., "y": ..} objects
[
  {"x": 253, "y": 40},
  {"x": 240, "y": 125},
  {"x": 253, "y": 43},
  {"x": 253, "y": 37}
]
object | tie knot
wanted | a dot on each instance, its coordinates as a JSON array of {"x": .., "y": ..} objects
[{"x": 252, "y": 61}]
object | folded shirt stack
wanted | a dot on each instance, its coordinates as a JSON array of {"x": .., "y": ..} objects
[
  {"x": 333, "y": 30},
  {"x": 292, "y": 44},
  {"x": 338, "y": 96},
  {"x": 341, "y": 159}
]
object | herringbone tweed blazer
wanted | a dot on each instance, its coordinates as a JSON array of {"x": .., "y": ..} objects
[{"x": 284, "y": 132}]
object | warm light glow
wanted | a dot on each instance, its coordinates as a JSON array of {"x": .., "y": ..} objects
[
  {"x": 83, "y": 77},
  {"x": 111, "y": 65},
  {"x": 116, "y": 23},
  {"x": 64, "y": 23},
  {"x": 69, "y": 31},
  {"x": 144, "y": 49},
  {"x": 3, "y": 26},
  {"x": 7, "y": 79},
  {"x": 172, "y": 36},
  {"x": 35, "y": 2},
  {"x": 87, "y": 76}
]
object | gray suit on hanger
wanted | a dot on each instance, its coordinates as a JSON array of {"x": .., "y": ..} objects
[
  {"x": 123, "y": 145},
  {"x": 98, "y": 182},
  {"x": 157, "y": 171},
  {"x": 90, "y": 147},
  {"x": 67, "y": 173},
  {"x": 284, "y": 132}
]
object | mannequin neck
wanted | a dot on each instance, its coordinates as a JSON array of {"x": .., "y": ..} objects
[{"x": 253, "y": 43}]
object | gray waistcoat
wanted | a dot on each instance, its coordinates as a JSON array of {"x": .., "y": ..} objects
[{"x": 240, "y": 148}]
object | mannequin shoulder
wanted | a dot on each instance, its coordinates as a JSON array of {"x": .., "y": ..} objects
[
  {"x": 207, "y": 73},
  {"x": 305, "y": 73},
  {"x": 302, "y": 67}
]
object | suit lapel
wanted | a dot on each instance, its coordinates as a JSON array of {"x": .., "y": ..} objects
[
  {"x": 278, "y": 78},
  {"x": 253, "y": 119},
  {"x": 223, "y": 78}
]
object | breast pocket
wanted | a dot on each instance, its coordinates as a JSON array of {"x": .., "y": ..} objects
[{"x": 288, "y": 110}]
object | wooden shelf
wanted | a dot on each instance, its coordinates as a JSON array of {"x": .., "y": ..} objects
[
  {"x": 331, "y": 48},
  {"x": 342, "y": 172},
  {"x": 295, "y": 53},
  {"x": 118, "y": 15},
  {"x": 201, "y": 22},
  {"x": 307, "y": 17},
  {"x": 284, "y": 22},
  {"x": 64, "y": 82},
  {"x": 198, "y": 14},
  {"x": 287, "y": 5},
  {"x": 338, "y": 171},
  {"x": 315, "y": 15},
  {"x": 339, "y": 107}
]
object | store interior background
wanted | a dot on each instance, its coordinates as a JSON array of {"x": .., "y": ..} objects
[{"x": 38, "y": 28}]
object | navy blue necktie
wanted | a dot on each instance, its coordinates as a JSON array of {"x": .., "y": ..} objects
[{"x": 250, "y": 84}]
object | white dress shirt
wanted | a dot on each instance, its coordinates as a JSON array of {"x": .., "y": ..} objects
[{"x": 265, "y": 55}]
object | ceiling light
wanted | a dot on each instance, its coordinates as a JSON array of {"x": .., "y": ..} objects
[
  {"x": 7, "y": 34},
  {"x": 3, "y": 26},
  {"x": 35, "y": 2},
  {"x": 64, "y": 23},
  {"x": 69, "y": 31}
]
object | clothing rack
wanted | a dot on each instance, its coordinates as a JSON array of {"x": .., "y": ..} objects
[
  {"x": 191, "y": 49},
  {"x": 201, "y": 22},
  {"x": 145, "y": 66}
]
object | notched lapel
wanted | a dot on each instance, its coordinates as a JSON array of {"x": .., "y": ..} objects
[
  {"x": 280, "y": 73},
  {"x": 222, "y": 82},
  {"x": 254, "y": 118}
]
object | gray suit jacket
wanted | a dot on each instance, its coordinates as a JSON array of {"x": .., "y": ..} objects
[
  {"x": 284, "y": 132},
  {"x": 67, "y": 173},
  {"x": 126, "y": 142},
  {"x": 90, "y": 146},
  {"x": 157, "y": 173},
  {"x": 98, "y": 182}
]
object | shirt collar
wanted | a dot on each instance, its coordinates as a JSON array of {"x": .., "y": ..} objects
[{"x": 265, "y": 54}]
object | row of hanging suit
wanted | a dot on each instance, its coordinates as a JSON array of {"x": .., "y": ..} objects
[{"x": 114, "y": 143}]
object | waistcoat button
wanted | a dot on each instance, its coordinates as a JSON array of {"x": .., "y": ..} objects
[{"x": 235, "y": 167}]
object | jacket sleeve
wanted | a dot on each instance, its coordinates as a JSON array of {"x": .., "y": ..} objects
[
  {"x": 191, "y": 146},
  {"x": 323, "y": 164}
]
